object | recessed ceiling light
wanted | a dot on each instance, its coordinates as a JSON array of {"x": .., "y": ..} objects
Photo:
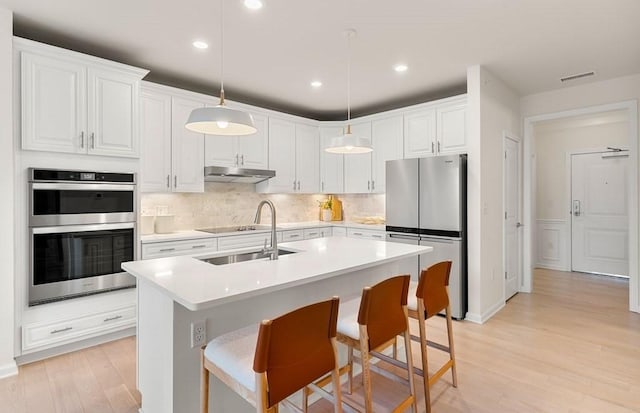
[
  {"x": 316, "y": 83},
  {"x": 253, "y": 4},
  {"x": 199, "y": 44},
  {"x": 400, "y": 68}
]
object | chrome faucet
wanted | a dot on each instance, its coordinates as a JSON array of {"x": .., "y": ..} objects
[{"x": 273, "y": 250}]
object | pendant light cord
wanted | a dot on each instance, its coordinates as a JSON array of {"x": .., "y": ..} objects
[
  {"x": 349, "y": 76},
  {"x": 221, "y": 52}
]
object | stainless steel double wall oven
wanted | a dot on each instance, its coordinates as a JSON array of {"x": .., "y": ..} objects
[{"x": 81, "y": 228}]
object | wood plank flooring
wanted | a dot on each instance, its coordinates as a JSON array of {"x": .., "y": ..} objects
[{"x": 571, "y": 346}]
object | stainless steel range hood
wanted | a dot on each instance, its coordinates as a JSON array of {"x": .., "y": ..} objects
[{"x": 241, "y": 175}]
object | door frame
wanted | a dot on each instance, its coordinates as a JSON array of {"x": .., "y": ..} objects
[
  {"x": 521, "y": 288},
  {"x": 568, "y": 163},
  {"x": 529, "y": 168}
]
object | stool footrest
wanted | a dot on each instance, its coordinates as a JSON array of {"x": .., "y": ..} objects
[
  {"x": 440, "y": 372},
  {"x": 433, "y": 344}
]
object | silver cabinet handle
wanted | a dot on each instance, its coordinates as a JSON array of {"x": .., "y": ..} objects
[
  {"x": 358, "y": 234},
  {"x": 368, "y": 185},
  {"x": 93, "y": 140},
  {"x": 376, "y": 236},
  {"x": 322, "y": 186},
  {"x": 198, "y": 246},
  {"x": 237, "y": 159},
  {"x": 298, "y": 185},
  {"x": 294, "y": 235},
  {"x": 62, "y": 330},
  {"x": 114, "y": 318},
  {"x": 373, "y": 185},
  {"x": 167, "y": 249},
  {"x": 175, "y": 181},
  {"x": 313, "y": 234},
  {"x": 168, "y": 180},
  {"x": 82, "y": 139},
  {"x": 438, "y": 146},
  {"x": 294, "y": 184},
  {"x": 242, "y": 160},
  {"x": 433, "y": 147}
]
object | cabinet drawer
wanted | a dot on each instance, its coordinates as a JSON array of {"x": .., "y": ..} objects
[
  {"x": 243, "y": 241},
  {"x": 338, "y": 232},
  {"x": 366, "y": 233},
  {"x": 175, "y": 248},
  {"x": 311, "y": 233},
  {"x": 46, "y": 334},
  {"x": 293, "y": 235}
]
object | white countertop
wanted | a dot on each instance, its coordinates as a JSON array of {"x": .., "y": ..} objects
[
  {"x": 198, "y": 285},
  {"x": 194, "y": 234}
]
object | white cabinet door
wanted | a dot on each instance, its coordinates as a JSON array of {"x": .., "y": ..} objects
[
  {"x": 282, "y": 156},
  {"x": 452, "y": 128},
  {"x": 112, "y": 113},
  {"x": 220, "y": 150},
  {"x": 155, "y": 137},
  {"x": 331, "y": 164},
  {"x": 307, "y": 159},
  {"x": 53, "y": 104},
  {"x": 357, "y": 167},
  {"x": 254, "y": 149},
  {"x": 386, "y": 138},
  {"x": 419, "y": 133},
  {"x": 187, "y": 149}
]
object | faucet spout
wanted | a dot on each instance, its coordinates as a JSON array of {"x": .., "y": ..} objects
[{"x": 273, "y": 249}]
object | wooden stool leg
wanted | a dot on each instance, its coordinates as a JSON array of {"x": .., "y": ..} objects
[
  {"x": 454, "y": 373},
  {"x": 366, "y": 374},
  {"x": 423, "y": 355},
  {"x": 204, "y": 385},
  {"x": 350, "y": 374},
  {"x": 412, "y": 385},
  {"x": 395, "y": 348}
]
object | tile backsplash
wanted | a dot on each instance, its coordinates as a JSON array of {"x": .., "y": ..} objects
[{"x": 224, "y": 204}]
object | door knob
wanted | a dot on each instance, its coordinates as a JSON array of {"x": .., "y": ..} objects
[{"x": 518, "y": 224}]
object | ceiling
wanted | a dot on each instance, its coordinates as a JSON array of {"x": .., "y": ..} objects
[{"x": 273, "y": 54}]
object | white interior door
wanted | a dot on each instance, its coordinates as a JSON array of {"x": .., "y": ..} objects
[
  {"x": 599, "y": 213},
  {"x": 512, "y": 219}
]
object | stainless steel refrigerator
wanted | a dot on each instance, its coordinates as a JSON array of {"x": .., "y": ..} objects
[{"x": 426, "y": 204}]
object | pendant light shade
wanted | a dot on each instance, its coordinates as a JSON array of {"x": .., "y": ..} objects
[
  {"x": 349, "y": 143},
  {"x": 221, "y": 120}
]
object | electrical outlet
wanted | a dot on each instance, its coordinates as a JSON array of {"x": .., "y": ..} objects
[{"x": 198, "y": 333}]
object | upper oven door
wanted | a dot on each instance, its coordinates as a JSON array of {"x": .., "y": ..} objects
[{"x": 82, "y": 203}]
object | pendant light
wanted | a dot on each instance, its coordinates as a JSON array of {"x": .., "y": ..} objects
[
  {"x": 349, "y": 143},
  {"x": 221, "y": 119}
]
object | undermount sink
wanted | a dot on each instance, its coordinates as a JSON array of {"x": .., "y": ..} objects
[{"x": 246, "y": 256}]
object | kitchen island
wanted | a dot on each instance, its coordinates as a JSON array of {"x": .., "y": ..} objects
[{"x": 175, "y": 292}]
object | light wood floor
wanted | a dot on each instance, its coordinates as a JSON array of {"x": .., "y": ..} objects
[{"x": 571, "y": 346}]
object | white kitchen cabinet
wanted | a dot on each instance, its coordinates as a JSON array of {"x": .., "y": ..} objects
[
  {"x": 175, "y": 248},
  {"x": 331, "y": 164},
  {"x": 75, "y": 103},
  {"x": 437, "y": 129},
  {"x": 311, "y": 233},
  {"x": 250, "y": 151},
  {"x": 187, "y": 148},
  {"x": 366, "y": 234},
  {"x": 292, "y": 235},
  {"x": 357, "y": 167},
  {"x": 366, "y": 173},
  {"x": 155, "y": 138},
  {"x": 293, "y": 155}
]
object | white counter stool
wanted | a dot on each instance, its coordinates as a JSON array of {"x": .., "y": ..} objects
[
  {"x": 428, "y": 297},
  {"x": 370, "y": 324},
  {"x": 289, "y": 353}
]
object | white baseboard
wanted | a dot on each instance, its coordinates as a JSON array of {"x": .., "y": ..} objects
[
  {"x": 551, "y": 267},
  {"x": 8, "y": 370},
  {"x": 485, "y": 316}
]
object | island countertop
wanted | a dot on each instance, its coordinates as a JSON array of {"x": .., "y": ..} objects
[{"x": 198, "y": 285}]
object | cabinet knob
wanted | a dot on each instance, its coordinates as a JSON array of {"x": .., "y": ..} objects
[
  {"x": 368, "y": 185},
  {"x": 373, "y": 185}
]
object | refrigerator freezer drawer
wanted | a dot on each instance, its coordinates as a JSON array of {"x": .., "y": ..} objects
[{"x": 448, "y": 249}]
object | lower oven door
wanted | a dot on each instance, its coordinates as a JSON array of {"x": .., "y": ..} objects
[{"x": 73, "y": 260}]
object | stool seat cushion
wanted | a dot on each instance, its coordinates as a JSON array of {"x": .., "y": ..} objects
[
  {"x": 348, "y": 318},
  {"x": 412, "y": 301},
  {"x": 233, "y": 353}
]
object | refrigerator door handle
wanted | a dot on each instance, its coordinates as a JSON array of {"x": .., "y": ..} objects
[{"x": 404, "y": 237}]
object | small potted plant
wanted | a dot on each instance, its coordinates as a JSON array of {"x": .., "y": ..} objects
[{"x": 325, "y": 209}]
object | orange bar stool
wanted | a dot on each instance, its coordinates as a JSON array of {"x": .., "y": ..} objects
[
  {"x": 289, "y": 353},
  {"x": 428, "y": 297},
  {"x": 370, "y": 324}
]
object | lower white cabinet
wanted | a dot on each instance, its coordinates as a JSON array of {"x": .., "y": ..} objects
[
  {"x": 175, "y": 248},
  {"x": 41, "y": 335},
  {"x": 338, "y": 232},
  {"x": 292, "y": 235},
  {"x": 310, "y": 233},
  {"x": 366, "y": 233}
]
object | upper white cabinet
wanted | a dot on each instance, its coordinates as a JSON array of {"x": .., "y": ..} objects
[
  {"x": 172, "y": 157},
  {"x": 250, "y": 151},
  {"x": 331, "y": 164},
  {"x": 76, "y": 103},
  {"x": 436, "y": 129},
  {"x": 293, "y": 155},
  {"x": 366, "y": 172}
]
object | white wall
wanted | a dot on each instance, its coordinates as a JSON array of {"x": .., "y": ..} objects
[
  {"x": 7, "y": 363},
  {"x": 621, "y": 89},
  {"x": 494, "y": 111}
]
